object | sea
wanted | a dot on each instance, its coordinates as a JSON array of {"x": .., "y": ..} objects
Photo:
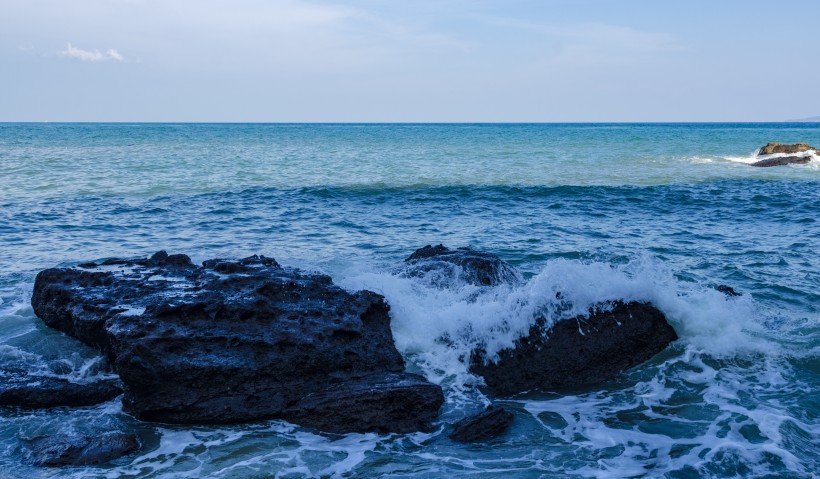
[{"x": 652, "y": 212}]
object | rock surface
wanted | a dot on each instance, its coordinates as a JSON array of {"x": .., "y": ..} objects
[
  {"x": 490, "y": 423},
  {"x": 474, "y": 267},
  {"x": 379, "y": 403},
  {"x": 33, "y": 391},
  {"x": 230, "y": 341},
  {"x": 577, "y": 352},
  {"x": 78, "y": 450},
  {"x": 772, "y": 148},
  {"x": 782, "y": 161}
]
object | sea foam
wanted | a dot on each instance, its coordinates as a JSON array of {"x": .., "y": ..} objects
[{"x": 437, "y": 327}]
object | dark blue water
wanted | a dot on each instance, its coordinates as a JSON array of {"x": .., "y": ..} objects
[{"x": 654, "y": 212}]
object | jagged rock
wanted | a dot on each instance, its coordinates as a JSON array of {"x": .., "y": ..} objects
[
  {"x": 79, "y": 450},
  {"x": 474, "y": 267},
  {"x": 577, "y": 352},
  {"x": 490, "y": 423},
  {"x": 772, "y": 148},
  {"x": 379, "y": 403},
  {"x": 782, "y": 161},
  {"x": 227, "y": 342},
  {"x": 37, "y": 391}
]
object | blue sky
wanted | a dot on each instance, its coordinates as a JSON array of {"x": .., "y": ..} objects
[{"x": 421, "y": 60}]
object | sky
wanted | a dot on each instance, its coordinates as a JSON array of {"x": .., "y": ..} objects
[{"x": 409, "y": 61}]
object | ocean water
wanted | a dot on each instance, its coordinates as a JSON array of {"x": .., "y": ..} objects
[{"x": 657, "y": 212}]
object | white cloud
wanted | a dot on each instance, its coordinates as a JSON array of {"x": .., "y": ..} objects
[{"x": 91, "y": 55}]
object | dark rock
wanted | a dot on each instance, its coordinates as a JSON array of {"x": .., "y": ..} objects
[
  {"x": 230, "y": 341},
  {"x": 78, "y": 450},
  {"x": 392, "y": 402},
  {"x": 772, "y": 148},
  {"x": 578, "y": 352},
  {"x": 474, "y": 267},
  {"x": 782, "y": 161},
  {"x": 34, "y": 391},
  {"x": 490, "y": 423},
  {"x": 727, "y": 290}
]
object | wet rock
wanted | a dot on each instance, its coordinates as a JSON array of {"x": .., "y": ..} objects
[
  {"x": 24, "y": 390},
  {"x": 393, "y": 402},
  {"x": 727, "y": 290},
  {"x": 474, "y": 267},
  {"x": 772, "y": 148},
  {"x": 490, "y": 423},
  {"x": 577, "y": 352},
  {"x": 782, "y": 161},
  {"x": 230, "y": 341},
  {"x": 79, "y": 450}
]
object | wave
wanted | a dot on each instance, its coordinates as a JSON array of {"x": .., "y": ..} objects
[
  {"x": 814, "y": 159},
  {"x": 437, "y": 327}
]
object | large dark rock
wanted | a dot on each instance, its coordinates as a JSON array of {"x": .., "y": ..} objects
[
  {"x": 21, "y": 389},
  {"x": 772, "y": 148},
  {"x": 490, "y": 423},
  {"x": 226, "y": 342},
  {"x": 79, "y": 450},
  {"x": 577, "y": 352},
  {"x": 474, "y": 267},
  {"x": 782, "y": 161},
  {"x": 379, "y": 403}
]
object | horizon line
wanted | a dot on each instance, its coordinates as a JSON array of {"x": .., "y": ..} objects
[{"x": 166, "y": 122}]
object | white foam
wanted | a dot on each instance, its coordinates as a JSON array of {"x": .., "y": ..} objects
[
  {"x": 130, "y": 310},
  {"x": 592, "y": 422},
  {"x": 754, "y": 157},
  {"x": 437, "y": 328}
]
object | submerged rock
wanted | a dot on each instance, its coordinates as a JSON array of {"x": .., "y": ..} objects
[
  {"x": 79, "y": 450},
  {"x": 490, "y": 423},
  {"x": 474, "y": 267},
  {"x": 393, "y": 402},
  {"x": 577, "y": 352},
  {"x": 773, "y": 148},
  {"x": 727, "y": 290},
  {"x": 782, "y": 161},
  {"x": 230, "y": 341},
  {"x": 36, "y": 391}
]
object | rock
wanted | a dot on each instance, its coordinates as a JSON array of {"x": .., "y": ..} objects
[
  {"x": 393, "y": 402},
  {"x": 33, "y": 391},
  {"x": 772, "y": 148},
  {"x": 474, "y": 267},
  {"x": 490, "y": 423},
  {"x": 78, "y": 450},
  {"x": 782, "y": 161},
  {"x": 727, "y": 290},
  {"x": 227, "y": 342},
  {"x": 577, "y": 352}
]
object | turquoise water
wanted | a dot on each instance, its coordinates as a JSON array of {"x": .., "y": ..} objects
[{"x": 653, "y": 212}]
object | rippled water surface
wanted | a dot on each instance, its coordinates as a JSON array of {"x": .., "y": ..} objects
[{"x": 651, "y": 212}]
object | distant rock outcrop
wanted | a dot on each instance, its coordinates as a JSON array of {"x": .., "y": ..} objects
[
  {"x": 800, "y": 153},
  {"x": 782, "y": 161},
  {"x": 773, "y": 148},
  {"x": 235, "y": 341}
]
